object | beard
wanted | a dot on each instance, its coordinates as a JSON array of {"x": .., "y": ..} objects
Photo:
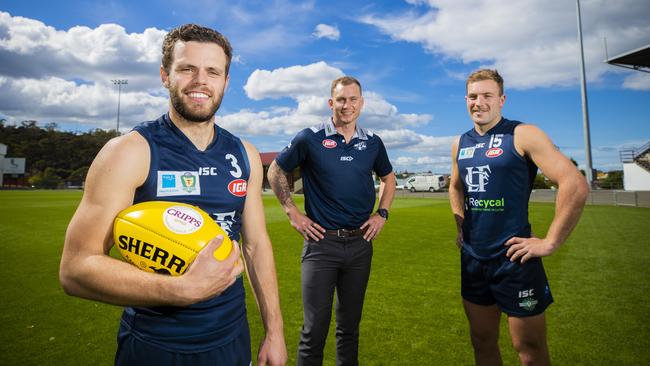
[{"x": 185, "y": 110}]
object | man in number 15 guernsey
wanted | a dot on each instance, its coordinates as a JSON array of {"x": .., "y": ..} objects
[
  {"x": 199, "y": 317},
  {"x": 493, "y": 168}
]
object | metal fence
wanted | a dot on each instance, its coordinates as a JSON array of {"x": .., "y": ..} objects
[{"x": 596, "y": 197}]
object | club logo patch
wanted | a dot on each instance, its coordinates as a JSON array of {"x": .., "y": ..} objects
[
  {"x": 329, "y": 144},
  {"x": 188, "y": 181},
  {"x": 237, "y": 187},
  {"x": 494, "y": 152},
  {"x": 477, "y": 178}
]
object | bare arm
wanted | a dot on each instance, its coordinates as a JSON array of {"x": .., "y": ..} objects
[
  {"x": 386, "y": 194},
  {"x": 86, "y": 268},
  {"x": 571, "y": 195},
  {"x": 278, "y": 179},
  {"x": 260, "y": 265},
  {"x": 387, "y": 189},
  {"x": 456, "y": 194}
]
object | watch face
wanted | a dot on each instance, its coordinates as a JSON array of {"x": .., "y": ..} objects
[{"x": 383, "y": 213}]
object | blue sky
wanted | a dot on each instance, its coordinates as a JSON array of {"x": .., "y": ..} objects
[{"x": 57, "y": 60}]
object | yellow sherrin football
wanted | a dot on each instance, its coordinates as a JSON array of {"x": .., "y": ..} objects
[{"x": 165, "y": 237}]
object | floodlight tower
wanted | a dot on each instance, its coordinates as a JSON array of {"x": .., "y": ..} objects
[
  {"x": 119, "y": 83},
  {"x": 585, "y": 110}
]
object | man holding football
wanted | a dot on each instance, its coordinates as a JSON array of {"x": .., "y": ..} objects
[
  {"x": 493, "y": 168},
  {"x": 336, "y": 160},
  {"x": 198, "y": 318}
]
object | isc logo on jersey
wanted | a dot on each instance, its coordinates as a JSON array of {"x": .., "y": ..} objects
[
  {"x": 238, "y": 187},
  {"x": 329, "y": 144}
]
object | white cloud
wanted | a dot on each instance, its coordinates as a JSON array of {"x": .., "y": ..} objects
[
  {"x": 275, "y": 121},
  {"x": 419, "y": 152},
  {"x": 64, "y": 76},
  {"x": 327, "y": 31},
  {"x": 438, "y": 164},
  {"x": 409, "y": 140},
  {"x": 637, "y": 81},
  {"x": 79, "y": 53},
  {"x": 94, "y": 105},
  {"x": 294, "y": 81},
  {"x": 531, "y": 42},
  {"x": 380, "y": 114},
  {"x": 309, "y": 86}
]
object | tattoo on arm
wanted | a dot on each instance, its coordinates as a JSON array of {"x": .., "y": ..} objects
[{"x": 280, "y": 185}]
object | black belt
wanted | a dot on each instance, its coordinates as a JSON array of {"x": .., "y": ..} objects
[{"x": 346, "y": 233}]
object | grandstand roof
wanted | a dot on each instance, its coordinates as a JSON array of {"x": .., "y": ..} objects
[
  {"x": 638, "y": 59},
  {"x": 268, "y": 157}
]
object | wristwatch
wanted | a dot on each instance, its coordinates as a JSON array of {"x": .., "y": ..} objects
[{"x": 383, "y": 213}]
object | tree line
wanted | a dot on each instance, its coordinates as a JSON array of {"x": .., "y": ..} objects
[{"x": 54, "y": 158}]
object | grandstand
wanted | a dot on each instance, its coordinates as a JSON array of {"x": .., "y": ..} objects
[
  {"x": 636, "y": 168},
  {"x": 638, "y": 59}
]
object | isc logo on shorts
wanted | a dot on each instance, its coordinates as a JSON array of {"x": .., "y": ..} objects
[{"x": 237, "y": 187}]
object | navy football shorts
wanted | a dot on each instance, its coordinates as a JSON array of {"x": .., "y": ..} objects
[
  {"x": 132, "y": 351},
  {"x": 517, "y": 289}
]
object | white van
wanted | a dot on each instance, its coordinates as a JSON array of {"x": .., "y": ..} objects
[{"x": 429, "y": 183}]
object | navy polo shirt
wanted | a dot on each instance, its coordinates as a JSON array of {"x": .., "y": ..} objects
[{"x": 337, "y": 177}]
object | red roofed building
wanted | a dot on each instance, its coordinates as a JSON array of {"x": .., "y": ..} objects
[{"x": 267, "y": 158}]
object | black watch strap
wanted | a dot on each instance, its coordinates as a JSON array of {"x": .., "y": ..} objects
[{"x": 383, "y": 213}]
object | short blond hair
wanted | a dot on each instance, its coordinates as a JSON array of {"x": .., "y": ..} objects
[
  {"x": 485, "y": 74},
  {"x": 345, "y": 80}
]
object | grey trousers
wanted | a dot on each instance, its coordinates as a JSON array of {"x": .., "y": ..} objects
[{"x": 333, "y": 263}]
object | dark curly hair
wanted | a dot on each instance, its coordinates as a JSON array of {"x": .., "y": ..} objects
[{"x": 197, "y": 33}]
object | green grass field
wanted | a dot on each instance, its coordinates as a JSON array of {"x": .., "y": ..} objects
[{"x": 413, "y": 313}]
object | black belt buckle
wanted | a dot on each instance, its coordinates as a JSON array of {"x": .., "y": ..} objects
[
  {"x": 345, "y": 233},
  {"x": 342, "y": 233}
]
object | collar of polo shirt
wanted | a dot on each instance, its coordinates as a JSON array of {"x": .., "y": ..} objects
[{"x": 359, "y": 132}]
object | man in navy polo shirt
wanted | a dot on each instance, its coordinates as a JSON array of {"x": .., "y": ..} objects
[{"x": 336, "y": 159}]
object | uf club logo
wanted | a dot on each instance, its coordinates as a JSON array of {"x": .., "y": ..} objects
[{"x": 477, "y": 178}]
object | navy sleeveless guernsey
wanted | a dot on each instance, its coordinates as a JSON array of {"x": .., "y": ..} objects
[
  {"x": 214, "y": 180},
  {"x": 497, "y": 182}
]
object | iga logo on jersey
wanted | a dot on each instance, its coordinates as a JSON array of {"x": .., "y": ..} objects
[
  {"x": 237, "y": 187},
  {"x": 330, "y": 144},
  {"x": 494, "y": 152}
]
